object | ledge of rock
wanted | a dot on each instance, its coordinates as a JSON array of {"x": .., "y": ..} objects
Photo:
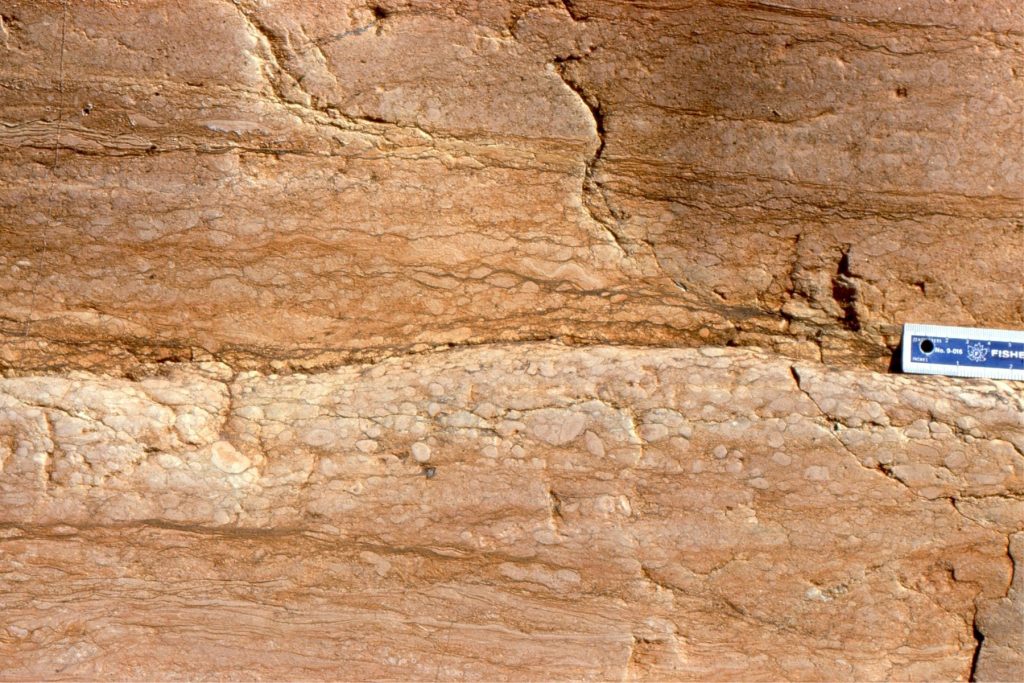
[
  {"x": 525, "y": 339},
  {"x": 520, "y": 511}
]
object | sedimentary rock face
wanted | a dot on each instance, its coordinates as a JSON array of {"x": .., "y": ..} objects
[{"x": 533, "y": 340}]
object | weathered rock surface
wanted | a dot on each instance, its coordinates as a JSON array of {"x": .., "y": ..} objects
[
  {"x": 405, "y": 339},
  {"x": 522, "y": 511},
  {"x": 277, "y": 180}
]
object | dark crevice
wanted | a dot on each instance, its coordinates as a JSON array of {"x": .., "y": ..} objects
[
  {"x": 555, "y": 505},
  {"x": 570, "y": 7},
  {"x": 603, "y": 213},
  {"x": 277, "y": 55},
  {"x": 844, "y": 291},
  {"x": 896, "y": 360},
  {"x": 380, "y": 15},
  {"x": 979, "y": 639},
  {"x": 371, "y": 118}
]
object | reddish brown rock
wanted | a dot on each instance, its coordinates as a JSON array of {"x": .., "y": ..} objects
[
  {"x": 597, "y": 513},
  {"x": 398, "y": 339},
  {"x": 272, "y": 181}
]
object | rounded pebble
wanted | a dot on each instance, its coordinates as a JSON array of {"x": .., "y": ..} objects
[{"x": 420, "y": 452}]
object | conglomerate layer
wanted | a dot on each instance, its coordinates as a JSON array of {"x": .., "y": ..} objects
[
  {"x": 525, "y": 339},
  {"x": 522, "y": 511}
]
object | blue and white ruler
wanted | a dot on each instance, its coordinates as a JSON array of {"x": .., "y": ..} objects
[{"x": 963, "y": 351}]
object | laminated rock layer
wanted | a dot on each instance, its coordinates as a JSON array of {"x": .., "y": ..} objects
[{"x": 526, "y": 339}]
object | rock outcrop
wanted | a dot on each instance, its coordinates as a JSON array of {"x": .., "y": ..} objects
[
  {"x": 525, "y": 511},
  {"x": 507, "y": 340}
]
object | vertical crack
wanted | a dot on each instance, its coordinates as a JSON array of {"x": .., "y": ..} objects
[
  {"x": 603, "y": 214},
  {"x": 979, "y": 640},
  {"x": 264, "y": 35},
  {"x": 570, "y": 8},
  {"x": 997, "y": 607},
  {"x": 555, "y": 510},
  {"x": 844, "y": 291},
  {"x": 593, "y": 194}
]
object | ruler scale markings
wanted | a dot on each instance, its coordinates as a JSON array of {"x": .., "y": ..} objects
[{"x": 963, "y": 351}]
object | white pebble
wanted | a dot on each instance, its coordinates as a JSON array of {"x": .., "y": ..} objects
[
  {"x": 653, "y": 432},
  {"x": 420, "y": 452},
  {"x": 366, "y": 445},
  {"x": 225, "y": 458},
  {"x": 594, "y": 444},
  {"x": 816, "y": 473}
]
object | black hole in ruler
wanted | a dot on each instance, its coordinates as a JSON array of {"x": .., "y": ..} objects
[{"x": 927, "y": 346}]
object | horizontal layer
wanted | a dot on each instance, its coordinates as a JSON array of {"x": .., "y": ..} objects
[
  {"x": 259, "y": 181},
  {"x": 702, "y": 511}
]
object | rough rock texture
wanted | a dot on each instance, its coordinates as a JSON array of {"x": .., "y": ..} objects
[
  {"x": 419, "y": 339},
  {"x": 603, "y": 513},
  {"x": 277, "y": 180}
]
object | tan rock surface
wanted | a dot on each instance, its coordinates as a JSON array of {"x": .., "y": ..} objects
[
  {"x": 597, "y": 513},
  {"x": 275, "y": 180},
  {"x": 507, "y": 340}
]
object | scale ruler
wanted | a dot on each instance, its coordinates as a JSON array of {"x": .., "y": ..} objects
[{"x": 963, "y": 351}]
